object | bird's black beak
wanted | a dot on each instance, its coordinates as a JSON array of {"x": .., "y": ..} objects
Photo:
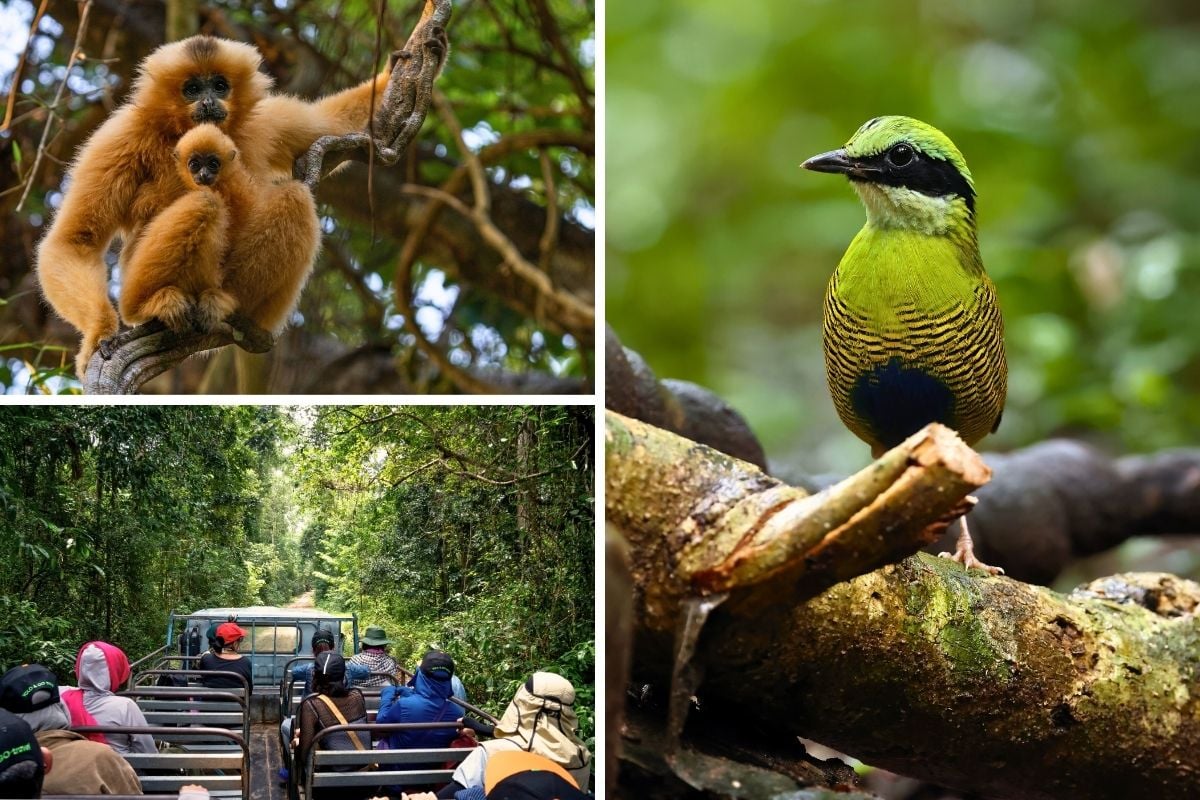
[{"x": 839, "y": 163}]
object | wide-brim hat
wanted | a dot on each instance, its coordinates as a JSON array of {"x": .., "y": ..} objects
[
  {"x": 375, "y": 636},
  {"x": 28, "y": 688}
]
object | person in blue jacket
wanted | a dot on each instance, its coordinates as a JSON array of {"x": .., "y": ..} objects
[{"x": 427, "y": 700}]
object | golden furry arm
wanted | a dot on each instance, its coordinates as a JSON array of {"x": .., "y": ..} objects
[{"x": 70, "y": 263}]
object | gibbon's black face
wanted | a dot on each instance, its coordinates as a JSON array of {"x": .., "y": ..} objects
[
  {"x": 204, "y": 168},
  {"x": 207, "y": 94}
]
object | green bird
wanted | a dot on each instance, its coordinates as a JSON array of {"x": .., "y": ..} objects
[{"x": 912, "y": 329}]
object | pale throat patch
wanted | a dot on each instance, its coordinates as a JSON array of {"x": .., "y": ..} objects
[{"x": 899, "y": 207}]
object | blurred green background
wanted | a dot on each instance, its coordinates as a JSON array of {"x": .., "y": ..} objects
[{"x": 1080, "y": 122}]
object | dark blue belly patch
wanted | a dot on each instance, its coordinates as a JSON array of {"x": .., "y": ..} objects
[{"x": 895, "y": 401}]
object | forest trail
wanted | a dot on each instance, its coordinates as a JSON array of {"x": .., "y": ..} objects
[{"x": 303, "y": 601}]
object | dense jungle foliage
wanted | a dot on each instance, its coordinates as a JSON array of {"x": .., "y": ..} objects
[
  {"x": 468, "y": 528},
  {"x": 1079, "y": 123}
]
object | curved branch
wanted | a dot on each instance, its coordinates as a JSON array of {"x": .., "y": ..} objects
[
  {"x": 404, "y": 105},
  {"x": 986, "y": 685},
  {"x": 122, "y": 364}
]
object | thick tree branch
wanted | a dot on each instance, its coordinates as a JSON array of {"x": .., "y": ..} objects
[
  {"x": 982, "y": 684},
  {"x": 1046, "y": 505},
  {"x": 122, "y": 364},
  {"x": 699, "y": 522}
]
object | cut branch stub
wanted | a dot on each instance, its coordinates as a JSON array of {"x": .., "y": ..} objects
[
  {"x": 122, "y": 364},
  {"x": 699, "y": 522},
  {"x": 403, "y": 106}
]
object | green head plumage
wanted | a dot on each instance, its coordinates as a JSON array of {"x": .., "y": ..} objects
[{"x": 908, "y": 173}]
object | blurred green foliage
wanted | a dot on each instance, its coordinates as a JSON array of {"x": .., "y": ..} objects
[{"x": 1080, "y": 122}]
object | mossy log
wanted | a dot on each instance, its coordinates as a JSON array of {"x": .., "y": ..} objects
[
  {"x": 983, "y": 684},
  {"x": 980, "y": 683}
]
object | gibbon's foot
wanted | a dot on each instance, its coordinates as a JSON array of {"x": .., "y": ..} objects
[
  {"x": 964, "y": 552},
  {"x": 84, "y": 355},
  {"x": 171, "y": 306},
  {"x": 212, "y": 307}
]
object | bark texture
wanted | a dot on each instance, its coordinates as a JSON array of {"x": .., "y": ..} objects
[{"x": 983, "y": 684}]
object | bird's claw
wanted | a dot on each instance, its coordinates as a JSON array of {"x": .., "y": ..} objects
[{"x": 969, "y": 561}]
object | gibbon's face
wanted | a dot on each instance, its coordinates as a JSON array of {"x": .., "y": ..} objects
[
  {"x": 199, "y": 80},
  {"x": 204, "y": 168},
  {"x": 202, "y": 153},
  {"x": 207, "y": 95}
]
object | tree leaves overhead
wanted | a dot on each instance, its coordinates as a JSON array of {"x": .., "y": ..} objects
[{"x": 469, "y": 528}]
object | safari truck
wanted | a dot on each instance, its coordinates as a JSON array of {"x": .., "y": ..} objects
[{"x": 229, "y": 740}]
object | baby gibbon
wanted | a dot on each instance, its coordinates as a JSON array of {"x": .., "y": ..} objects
[
  {"x": 175, "y": 272},
  {"x": 125, "y": 177}
]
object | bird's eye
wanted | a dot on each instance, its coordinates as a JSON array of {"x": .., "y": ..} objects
[
  {"x": 220, "y": 85},
  {"x": 901, "y": 155},
  {"x": 191, "y": 88}
]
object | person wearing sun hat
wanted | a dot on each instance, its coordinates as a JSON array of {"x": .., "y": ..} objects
[
  {"x": 229, "y": 638},
  {"x": 540, "y": 719},
  {"x": 374, "y": 656},
  {"x": 83, "y": 767}
]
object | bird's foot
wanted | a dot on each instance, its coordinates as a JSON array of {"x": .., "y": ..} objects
[
  {"x": 967, "y": 559},
  {"x": 964, "y": 549}
]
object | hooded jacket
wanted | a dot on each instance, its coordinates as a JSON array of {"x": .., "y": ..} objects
[
  {"x": 101, "y": 669},
  {"x": 427, "y": 700}
]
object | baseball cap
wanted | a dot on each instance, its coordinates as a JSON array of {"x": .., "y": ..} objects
[
  {"x": 322, "y": 634},
  {"x": 229, "y": 632},
  {"x": 28, "y": 688},
  {"x": 21, "y": 767},
  {"x": 331, "y": 665},
  {"x": 437, "y": 664}
]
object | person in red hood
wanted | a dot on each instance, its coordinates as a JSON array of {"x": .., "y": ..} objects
[{"x": 101, "y": 669}]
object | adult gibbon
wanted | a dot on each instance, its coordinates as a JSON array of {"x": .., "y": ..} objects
[{"x": 124, "y": 177}]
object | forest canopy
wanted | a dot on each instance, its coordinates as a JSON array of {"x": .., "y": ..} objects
[
  {"x": 469, "y": 528},
  {"x": 409, "y": 295}
]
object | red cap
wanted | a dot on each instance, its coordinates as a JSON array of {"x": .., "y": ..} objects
[{"x": 229, "y": 632}]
